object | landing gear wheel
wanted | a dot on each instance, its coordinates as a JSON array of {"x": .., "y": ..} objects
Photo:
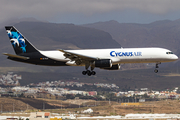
[
  {"x": 89, "y": 73},
  {"x": 157, "y": 66},
  {"x": 84, "y": 72},
  {"x": 93, "y": 73},
  {"x": 156, "y": 70}
]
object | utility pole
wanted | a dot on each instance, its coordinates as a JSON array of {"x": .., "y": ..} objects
[
  {"x": 13, "y": 107},
  {"x": 70, "y": 104},
  {"x": 1, "y": 108},
  {"x": 27, "y": 106},
  {"x": 43, "y": 105},
  {"x": 61, "y": 105},
  {"x": 114, "y": 111}
]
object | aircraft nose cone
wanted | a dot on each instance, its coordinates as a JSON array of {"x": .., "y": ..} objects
[{"x": 175, "y": 57}]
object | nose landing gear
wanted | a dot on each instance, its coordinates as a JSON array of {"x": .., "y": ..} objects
[{"x": 156, "y": 70}]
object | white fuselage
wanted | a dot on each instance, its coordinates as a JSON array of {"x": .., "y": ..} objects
[{"x": 119, "y": 56}]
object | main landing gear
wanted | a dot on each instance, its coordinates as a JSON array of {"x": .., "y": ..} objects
[
  {"x": 88, "y": 72},
  {"x": 156, "y": 70}
]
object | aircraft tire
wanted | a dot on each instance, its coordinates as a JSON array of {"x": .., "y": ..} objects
[
  {"x": 156, "y": 70},
  {"x": 93, "y": 73},
  {"x": 89, "y": 73},
  {"x": 84, "y": 72}
]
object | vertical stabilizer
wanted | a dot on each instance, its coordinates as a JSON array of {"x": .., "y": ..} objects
[{"x": 19, "y": 42}]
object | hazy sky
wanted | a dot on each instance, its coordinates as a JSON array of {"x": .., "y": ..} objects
[{"x": 90, "y": 11}]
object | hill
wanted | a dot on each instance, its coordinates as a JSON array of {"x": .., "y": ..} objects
[
  {"x": 82, "y": 37},
  {"x": 163, "y": 33},
  {"x": 101, "y": 108},
  {"x": 142, "y": 78}
]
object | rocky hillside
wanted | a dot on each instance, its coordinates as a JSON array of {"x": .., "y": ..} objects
[{"x": 163, "y": 33}]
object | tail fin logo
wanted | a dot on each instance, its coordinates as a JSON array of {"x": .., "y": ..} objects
[{"x": 17, "y": 40}]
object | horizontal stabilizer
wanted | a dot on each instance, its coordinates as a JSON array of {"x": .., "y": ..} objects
[{"x": 16, "y": 56}]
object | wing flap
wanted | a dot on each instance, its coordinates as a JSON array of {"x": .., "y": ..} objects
[
  {"x": 68, "y": 54},
  {"x": 16, "y": 56},
  {"x": 78, "y": 58}
]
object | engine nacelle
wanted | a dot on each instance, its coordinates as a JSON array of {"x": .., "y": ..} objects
[
  {"x": 114, "y": 67},
  {"x": 105, "y": 63}
]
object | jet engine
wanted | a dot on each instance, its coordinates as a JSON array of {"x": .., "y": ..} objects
[
  {"x": 105, "y": 63},
  {"x": 114, "y": 67}
]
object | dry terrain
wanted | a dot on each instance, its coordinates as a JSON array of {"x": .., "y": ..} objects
[{"x": 99, "y": 107}]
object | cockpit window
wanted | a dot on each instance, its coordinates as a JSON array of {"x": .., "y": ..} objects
[{"x": 169, "y": 52}]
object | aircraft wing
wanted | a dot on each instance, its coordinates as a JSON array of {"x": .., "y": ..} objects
[
  {"x": 16, "y": 56},
  {"x": 78, "y": 58}
]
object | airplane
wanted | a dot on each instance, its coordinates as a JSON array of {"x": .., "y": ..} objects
[{"x": 108, "y": 59}]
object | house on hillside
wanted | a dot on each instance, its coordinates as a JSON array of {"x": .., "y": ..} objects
[
  {"x": 92, "y": 93},
  {"x": 40, "y": 115}
]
